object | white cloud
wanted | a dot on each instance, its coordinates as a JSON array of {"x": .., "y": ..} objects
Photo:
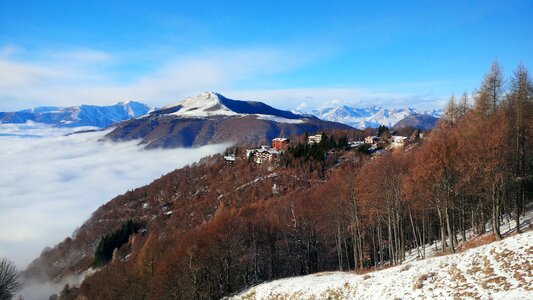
[
  {"x": 82, "y": 55},
  {"x": 8, "y": 51},
  {"x": 51, "y": 185},
  {"x": 84, "y": 76},
  {"x": 96, "y": 77}
]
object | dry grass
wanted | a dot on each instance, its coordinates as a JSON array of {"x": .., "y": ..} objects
[
  {"x": 423, "y": 278},
  {"x": 333, "y": 294},
  {"x": 405, "y": 268},
  {"x": 368, "y": 270},
  {"x": 466, "y": 295},
  {"x": 249, "y": 296},
  {"x": 476, "y": 242},
  {"x": 456, "y": 275}
]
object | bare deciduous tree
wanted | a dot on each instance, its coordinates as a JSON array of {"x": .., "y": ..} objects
[{"x": 9, "y": 279}]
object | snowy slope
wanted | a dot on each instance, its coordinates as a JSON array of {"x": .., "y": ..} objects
[
  {"x": 210, "y": 104},
  {"x": 500, "y": 270},
  {"x": 203, "y": 105},
  {"x": 75, "y": 116},
  {"x": 362, "y": 117}
]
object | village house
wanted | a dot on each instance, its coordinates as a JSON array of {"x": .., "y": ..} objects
[
  {"x": 355, "y": 144},
  {"x": 229, "y": 158},
  {"x": 398, "y": 141},
  {"x": 262, "y": 155},
  {"x": 314, "y": 139},
  {"x": 280, "y": 143},
  {"x": 371, "y": 139},
  {"x": 265, "y": 154}
]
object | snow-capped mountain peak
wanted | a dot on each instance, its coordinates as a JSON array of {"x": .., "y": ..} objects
[
  {"x": 74, "y": 116},
  {"x": 202, "y": 105},
  {"x": 362, "y": 117},
  {"x": 210, "y": 104}
]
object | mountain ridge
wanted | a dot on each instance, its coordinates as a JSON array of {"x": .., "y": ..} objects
[
  {"x": 76, "y": 116},
  {"x": 370, "y": 116},
  {"x": 210, "y": 118}
]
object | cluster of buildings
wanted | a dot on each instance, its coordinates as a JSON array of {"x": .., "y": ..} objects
[
  {"x": 396, "y": 141},
  {"x": 267, "y": 153},
  {"x": 314, "y": 139}
]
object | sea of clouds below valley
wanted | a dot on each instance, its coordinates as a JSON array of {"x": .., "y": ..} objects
[{"x": 51, "y": 183}]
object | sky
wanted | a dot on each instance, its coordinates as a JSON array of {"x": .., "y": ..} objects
[{"x": 388, "y": 53}]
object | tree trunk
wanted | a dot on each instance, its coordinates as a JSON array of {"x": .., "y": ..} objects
[
  {"x": 450, "y": 232},
  {"x": 379, "y": 245},
  {"x": 414, "y": 233},
  {"x": 360, "y": 247},
  {"x": 391, "y": 251},
  {"x": 339, "y": 246},
  {"x": 496, "y": 212},
  {"x": 483, "y": 220},
  {"x": 463, "y": 223},
  {"x": 355, "y": 245},
  {"x": 442, "y": 232},
  {"x": 374, "y": 252}
]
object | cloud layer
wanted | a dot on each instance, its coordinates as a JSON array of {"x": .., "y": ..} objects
[
  {"x": 50, "y": 185},
  {"x": 96, "y": 77}
]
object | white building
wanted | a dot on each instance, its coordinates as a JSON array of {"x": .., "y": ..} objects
[
  {"x": 398, "y": 141},
  {"x": 314, "y": 139}
]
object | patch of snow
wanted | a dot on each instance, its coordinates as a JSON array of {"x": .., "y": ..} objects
[
  {"x": 493, "y": 271},
  {"x": 279, "y": 119},
  {"x": 202, "y": 105}
]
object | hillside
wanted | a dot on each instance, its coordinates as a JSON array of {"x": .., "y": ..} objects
[
  {"x": 499, "y": 270},
  {"x": 417, "y": 120},
  {"x": 211, "y": 118},
  {"x": 76, "y": 116},
  {"x": 182, "y": 200}
]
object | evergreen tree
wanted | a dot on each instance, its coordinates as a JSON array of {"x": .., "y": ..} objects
[{"x": 108, "y": 243}]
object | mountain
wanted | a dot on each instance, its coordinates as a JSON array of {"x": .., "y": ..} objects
[
  {"x": 212, "y": 118},
  {"x": 493, "y": 271},
  {"x": 372, "y": 117},
  {"x": 74, "y": 116},
  {"x": 417, "y": 120}
]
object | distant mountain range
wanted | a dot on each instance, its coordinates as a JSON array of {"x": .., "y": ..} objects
[
  {"x": 372, "y": 116},
  {"x": 212, "y": 118},
  {"x": 74, "y": 116}
]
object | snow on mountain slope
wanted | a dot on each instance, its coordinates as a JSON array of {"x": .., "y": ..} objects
[
  {"x": 209, "y": 104},
  {"x": 203, "y": 105},
  {"x": 211, "y": 118},
  {"x": 500, "y": 270},
  {"x": 75, "y": 116},
  {"x": 362, "y": 117}
]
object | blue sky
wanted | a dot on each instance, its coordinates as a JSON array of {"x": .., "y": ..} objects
[{"x": 281, "y": 52}]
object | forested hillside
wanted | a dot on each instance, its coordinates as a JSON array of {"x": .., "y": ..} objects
[{"x": 215, "y": 228}]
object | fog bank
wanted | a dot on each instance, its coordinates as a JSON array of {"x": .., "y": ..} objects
[{"x": 50, "y": 183}]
